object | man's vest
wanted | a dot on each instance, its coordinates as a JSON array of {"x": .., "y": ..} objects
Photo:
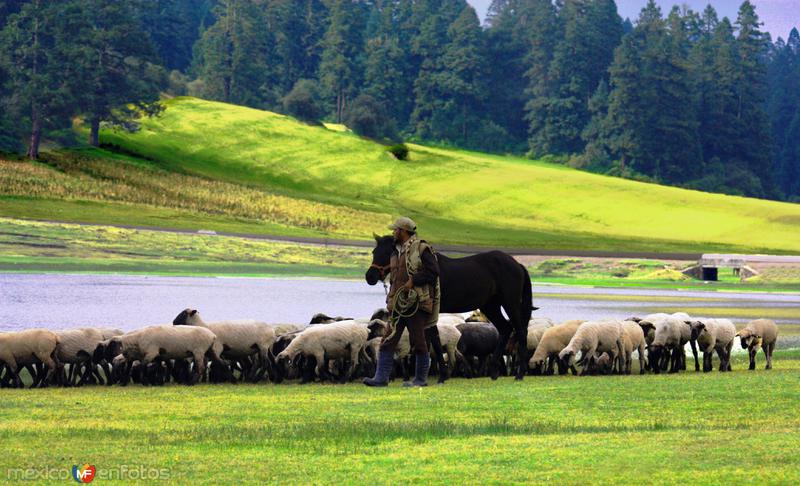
[{"x": 404, "y": 266}]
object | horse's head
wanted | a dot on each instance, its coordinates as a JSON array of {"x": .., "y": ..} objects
[{"x": 381, "y": 255}]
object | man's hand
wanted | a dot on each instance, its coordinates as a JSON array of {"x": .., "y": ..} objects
[{"x": 409, "y": 285}]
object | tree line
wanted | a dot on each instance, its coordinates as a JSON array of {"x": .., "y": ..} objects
[{"x": 684, "y": 98}]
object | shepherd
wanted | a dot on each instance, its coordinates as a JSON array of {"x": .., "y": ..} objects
[
  {"x": 413, "y": 302},
  {"x": 492, "y": 281}
]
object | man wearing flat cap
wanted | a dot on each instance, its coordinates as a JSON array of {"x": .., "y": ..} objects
[{"x": 413, "y": 265}]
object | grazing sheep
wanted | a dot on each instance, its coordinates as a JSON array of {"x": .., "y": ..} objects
[
  {"x": 239, "y": 339},
  {"x": 648, "y": 325},
  {"x": 33, "y": 346},
  {"x": 633, "y": 340},
  {"x": 478, "y": 341},
  {"x": 553, "y": 340},
  {"x": 340, "y": 340},
  {"x": 711, "y": 335},
  {"x": 592, "y": 338},
  {"x": 321, "y": 318},
  {"x": 449, "y": 335},
  {"x": 671, "y": 336},
  {"x": 761, "y": 332},
  {"x": 157, "y": 343},
  {"x": 75, "y": 347}
]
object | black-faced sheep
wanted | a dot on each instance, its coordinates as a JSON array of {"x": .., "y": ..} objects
[
  {"x": 760, "y": 332},
  {"x": 33, "y": 346},
  {"x": 240, "y": 340},
  {"x": 554, "y": 339},
  {"x": 340, "y": 340},
  {"x": 711, "y": 335},
  {"x": 592, "y": 339},
  {"x": 151, "y": 345}
]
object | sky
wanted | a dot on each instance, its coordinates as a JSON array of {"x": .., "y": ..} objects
[{"x": 779, "y": 16}]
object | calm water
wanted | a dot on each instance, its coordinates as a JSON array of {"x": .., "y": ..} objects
[{"x": 129, "y": 302}]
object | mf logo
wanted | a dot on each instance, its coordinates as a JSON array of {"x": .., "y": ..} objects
[{"x": 83, "y": 474}]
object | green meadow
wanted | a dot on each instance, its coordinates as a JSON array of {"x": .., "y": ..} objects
[
  {"x": 689, "y": 428},
  {"x": 209, "y": 165}
]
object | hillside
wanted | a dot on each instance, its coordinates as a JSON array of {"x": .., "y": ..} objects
[{"x": 353, "y": 187}]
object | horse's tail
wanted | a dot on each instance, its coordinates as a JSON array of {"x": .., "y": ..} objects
[{"x": 527, "y": 295}]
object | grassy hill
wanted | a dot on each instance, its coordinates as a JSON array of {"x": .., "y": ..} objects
[{"x": 254, "y": 171}]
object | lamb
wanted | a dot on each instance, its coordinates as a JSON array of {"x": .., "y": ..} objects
[
  {"x": 591, "y": 338},
  {"x": 633, "y": 340},
  {"x": 711, "y": 335},
  {"x": 760, "y": 332},
  {"x": 239, "y": 339},
  {"x": 163, "y": 342},
  {"x": 32, "y": 346},
  {"x": 344, "y": 339},
  {"x": 553, "y": 340}
]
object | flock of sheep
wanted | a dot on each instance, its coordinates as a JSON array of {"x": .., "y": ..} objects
[{"x": 341, "y": 349}]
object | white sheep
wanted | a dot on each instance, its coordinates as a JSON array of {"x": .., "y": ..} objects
[
  {"x": 711, "y": 335},
  {"x": 29, "y": 347},
  {"x": 633, "y": 340},
  {"x": 593, "y": 338},
  {"x": 760, "y": 332},
  {"x": 165, "y": 342},
  {"x": 340, "y": 340},
  {"x": 76, "y": 348},
  {"x": 553, "y": 340},
  {"x": 240, "y": 339},
  {"x": 671, "y": 336},
  {"x": 648, "y": 324}
]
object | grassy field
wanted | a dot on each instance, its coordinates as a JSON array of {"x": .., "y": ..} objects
[
  {"x": 43, "y": 247},
  {"x": 223, "y": 167},
  {"x": 691, "y": 428},
  {"x": 30, "y": 246}
]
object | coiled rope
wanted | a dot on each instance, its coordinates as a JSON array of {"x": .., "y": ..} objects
[{"x": 405, "y": 303}]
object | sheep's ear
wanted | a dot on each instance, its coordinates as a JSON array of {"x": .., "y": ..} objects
[
  {"x": 738, "y": 333},
  {"x": 193, "y": 312}
]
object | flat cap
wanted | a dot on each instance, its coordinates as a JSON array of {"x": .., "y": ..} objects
[{"x": 404, "y": 223}]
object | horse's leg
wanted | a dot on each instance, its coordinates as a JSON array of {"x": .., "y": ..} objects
[
  {"x": 432, "y": 335},
  {"x": 492, "y": 311},
  {"x": 512, "y": 306}
]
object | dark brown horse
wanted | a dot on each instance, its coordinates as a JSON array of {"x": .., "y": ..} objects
[{"x": 492, "y": 282}]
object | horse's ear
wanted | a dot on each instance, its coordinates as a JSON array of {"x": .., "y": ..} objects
[{"x": 377, "y": 238}]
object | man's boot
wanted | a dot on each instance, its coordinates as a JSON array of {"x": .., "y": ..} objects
[
  {"x": 383, "y": 370},
  {"x": 423, "y": 364}
]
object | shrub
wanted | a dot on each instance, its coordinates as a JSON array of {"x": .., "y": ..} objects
[
  {"x": 400, "y": 151},
  {"x": 302, "y": 102},
  {"x": 367, "y": 117}
]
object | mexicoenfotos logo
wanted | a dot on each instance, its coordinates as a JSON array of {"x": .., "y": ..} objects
[{"x": 84, "y": 474}]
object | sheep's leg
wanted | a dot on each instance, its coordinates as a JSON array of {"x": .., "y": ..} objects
[
  {"x": 320, "y": 369},
  {"x": 11, "y": 366},
  {"x": 753, "y": 350},
  {"x": 693, "y": 344},
  {"x": 353, "y": 363},
  {"x": 768, "y": 355},
  {"x": 200, "y": 367}
]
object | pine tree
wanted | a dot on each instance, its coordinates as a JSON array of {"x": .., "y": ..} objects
[
  {"x": 41, "y": 60},
  {"x": 751, "y": 46},
  {"x": 592, "y": 30},
  {"x": 235, "y": 56},
  {"x": 298, "y": 28},
  {"x": 340, "y": 66},
  {"x": 173, "y": 26},
  {"x": 118, "y": 79},
  {"x": 651, "y": 125}
]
